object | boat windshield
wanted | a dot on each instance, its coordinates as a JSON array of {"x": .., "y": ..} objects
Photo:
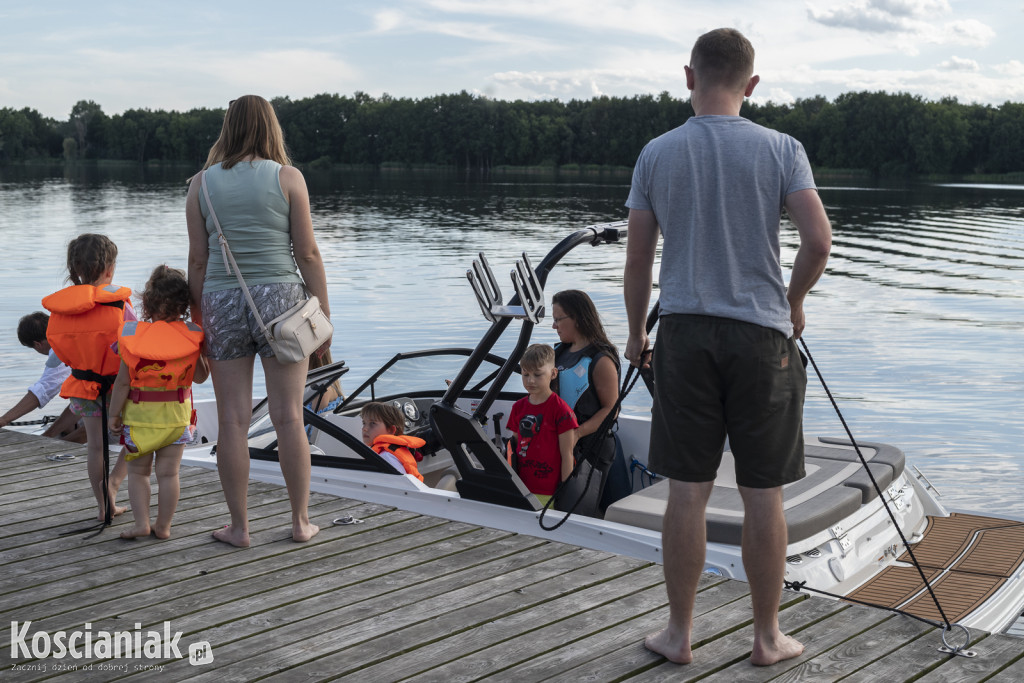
[{"x": 424, "y": 373}]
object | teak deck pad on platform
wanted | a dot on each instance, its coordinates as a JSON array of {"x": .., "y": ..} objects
[
  {"x": 399, "y": 596},
  {"x": 965, "y": 558}
]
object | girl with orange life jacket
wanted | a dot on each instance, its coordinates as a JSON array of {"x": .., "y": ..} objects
[
  {"x": 82, "y": 329},
  {"x": 151, "y": 405},
  {"x": 383, "y": 425}
]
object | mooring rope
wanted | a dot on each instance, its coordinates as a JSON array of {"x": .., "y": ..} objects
[
  {"x": 45, "y": 420},
  {"x": 874, "y": 483}
]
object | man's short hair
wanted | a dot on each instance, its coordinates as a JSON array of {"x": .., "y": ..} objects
[
  {"x": 723, "y": 57},
  {"x": 537, "y": 356},
  {"x": 32, "y": 328}
]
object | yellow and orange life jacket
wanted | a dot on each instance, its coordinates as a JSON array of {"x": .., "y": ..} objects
[
  {"x": 161, "y": 358},
  {"x": 83, "y": 326},
  {"x": 399, "y": 445}
]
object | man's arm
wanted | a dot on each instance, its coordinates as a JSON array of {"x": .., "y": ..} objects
[
  {"x": 808, "y": 214},
  {"x": 26, "y": 405},
  {"x": 66, "y": 427},
  {"x": 637, "y": 279}
]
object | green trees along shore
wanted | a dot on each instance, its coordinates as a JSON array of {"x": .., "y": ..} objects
[{"x": 874, "y": 132}]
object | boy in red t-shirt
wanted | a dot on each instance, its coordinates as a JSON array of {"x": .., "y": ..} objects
[{"x": 544, "y": 424}]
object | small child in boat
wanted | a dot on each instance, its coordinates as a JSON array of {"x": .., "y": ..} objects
[
  {"x": 383, "y": 427},
  {"x": 544, "y": 426},
  {"x": 151, "y": 404}
]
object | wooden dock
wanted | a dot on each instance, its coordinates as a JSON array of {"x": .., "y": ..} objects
[{"x": 396, "y": 596}]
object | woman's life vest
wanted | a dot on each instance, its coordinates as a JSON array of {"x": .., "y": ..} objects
[
  {"x": 83, "y": 326},
  {"x": 576, "y": 387},
  {"x": 399, "y": 445},
  {"x": 161, "y": 358}
]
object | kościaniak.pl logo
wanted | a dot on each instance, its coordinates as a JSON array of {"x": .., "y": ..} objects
[{"x": 88, "y": 644}]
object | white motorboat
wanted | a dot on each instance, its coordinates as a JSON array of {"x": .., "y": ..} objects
[{"x": 845, "y": 525}]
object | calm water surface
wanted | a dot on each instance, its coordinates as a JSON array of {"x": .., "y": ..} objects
[{"x": 918, "y": 324}]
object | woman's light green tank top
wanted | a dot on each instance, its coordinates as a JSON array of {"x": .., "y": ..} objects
[{"x": 253, "y": 213}]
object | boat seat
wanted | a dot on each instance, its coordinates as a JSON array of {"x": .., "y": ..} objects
[
  {"x": 841, "y": 449},
  {"x": 812, "y": 504},
  {"x": 886, "y": 462}
]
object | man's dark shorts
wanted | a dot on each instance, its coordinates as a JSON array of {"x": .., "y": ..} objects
[{"x": 715, "y": 376}]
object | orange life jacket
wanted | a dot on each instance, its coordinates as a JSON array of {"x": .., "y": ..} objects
[
  {"x": 83, "y": 325},
  {"x": 399, "y": 445},
  {"x": 161, "y": 358},
  {"x": 160, "y": 355}
]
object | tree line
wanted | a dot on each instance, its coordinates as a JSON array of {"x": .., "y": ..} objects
[{"x": 881, "y": 133}]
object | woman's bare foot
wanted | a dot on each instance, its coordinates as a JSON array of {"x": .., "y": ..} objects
[
  {"x": 114, "y": 512},
  {"x": 135, "y": 532},
  {"x": 671, "y": 645},
  {"x": 784, "y": 647},
  {"x": 161, "y": 533},
  {"x": 228, "y": 534},
  {"x": 303, "y": 532}
]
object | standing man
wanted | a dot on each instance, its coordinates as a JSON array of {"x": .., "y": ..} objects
[
  {"x": 726, "y": 360},
  {"x": 32, "y": 334}
]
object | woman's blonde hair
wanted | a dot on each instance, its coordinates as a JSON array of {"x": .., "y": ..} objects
[{"x": 250, "y": 128}]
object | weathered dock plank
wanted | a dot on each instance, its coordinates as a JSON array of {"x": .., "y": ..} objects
[{"x": 398, "y": 596}]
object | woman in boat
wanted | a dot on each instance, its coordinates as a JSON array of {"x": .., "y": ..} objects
[
  {"x": 263, "y": 206},
  {"x": 588, "y": 380}
]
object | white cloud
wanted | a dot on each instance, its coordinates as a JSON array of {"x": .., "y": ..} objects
[
  {"x": 1012, "y": 68},
  {"x": 776, "y": 95},
  {"x": 955, "y": 63},
  {"x": 967, "y": 32},
  {"x": 910, "y": 19},
  {"x": 931, "y": 84},
  {"x": 665, "y": 19},
  {"x": 911, "y": 8}
]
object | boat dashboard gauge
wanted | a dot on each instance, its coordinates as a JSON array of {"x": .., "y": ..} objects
[{"x": 409, "y": 410}]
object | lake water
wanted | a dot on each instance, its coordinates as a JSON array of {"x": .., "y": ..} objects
[{"x": 918, "y": 324}]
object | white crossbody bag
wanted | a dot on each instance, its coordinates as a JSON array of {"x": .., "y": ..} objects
[{"x": 296, "y": 333}]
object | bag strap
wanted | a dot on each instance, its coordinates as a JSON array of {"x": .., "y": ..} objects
[{"x": 226, "y": 253}]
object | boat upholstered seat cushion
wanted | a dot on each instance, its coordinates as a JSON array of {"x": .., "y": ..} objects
[
  {"x": 862, "y": 482},
  {"x": 841, "y": 449},
  {"x": 816, "y": 502}
]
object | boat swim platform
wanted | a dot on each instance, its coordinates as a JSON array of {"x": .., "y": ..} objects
[{"x": 395, "y": 596}]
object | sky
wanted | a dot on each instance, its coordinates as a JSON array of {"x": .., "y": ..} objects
[{"x": 186, "y": 54}]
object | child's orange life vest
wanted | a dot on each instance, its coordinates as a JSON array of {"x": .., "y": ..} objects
[
  {"x": 83, "y": 326},
  {"x": 161, "y": 358},
  {"x": 160, "y": 355},
  {"x": 399, "y": 445}
]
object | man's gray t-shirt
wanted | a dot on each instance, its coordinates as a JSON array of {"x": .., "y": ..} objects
[{"x": 717, "y": 186}]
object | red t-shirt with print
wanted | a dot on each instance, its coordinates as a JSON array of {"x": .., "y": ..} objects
[{"x": 538, "y": 458}]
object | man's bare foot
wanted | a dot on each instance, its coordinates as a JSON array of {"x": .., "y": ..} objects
[
  {"x": 231, "y": 536},
  {"x": 303, "y": 532},
  {"x": 135, "y": 532},
  {"x": 161, "y": 533},
  {"x": 115, "y": 511},
  {"x": 784, "y": 647},
  {"x": 671, "y": 645}
]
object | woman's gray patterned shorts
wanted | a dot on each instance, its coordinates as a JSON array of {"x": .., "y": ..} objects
[{"x": 231, "y": 328}]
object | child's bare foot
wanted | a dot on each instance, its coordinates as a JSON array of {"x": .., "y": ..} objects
[
  {"x": 671, "y": 645},
  {"x": 303, "y": 532},
  {"x": 784, "y": 647},
  {"x": 114, "y": 512},
  {"x": 228, "y": 534},
  {"x": 161, "y": 532},
  {"x": 136, "y": 532}
]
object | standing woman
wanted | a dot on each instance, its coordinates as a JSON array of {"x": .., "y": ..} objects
[
  {"x": 263, "y": 206},
  {"x": 588, "y": 379}
]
